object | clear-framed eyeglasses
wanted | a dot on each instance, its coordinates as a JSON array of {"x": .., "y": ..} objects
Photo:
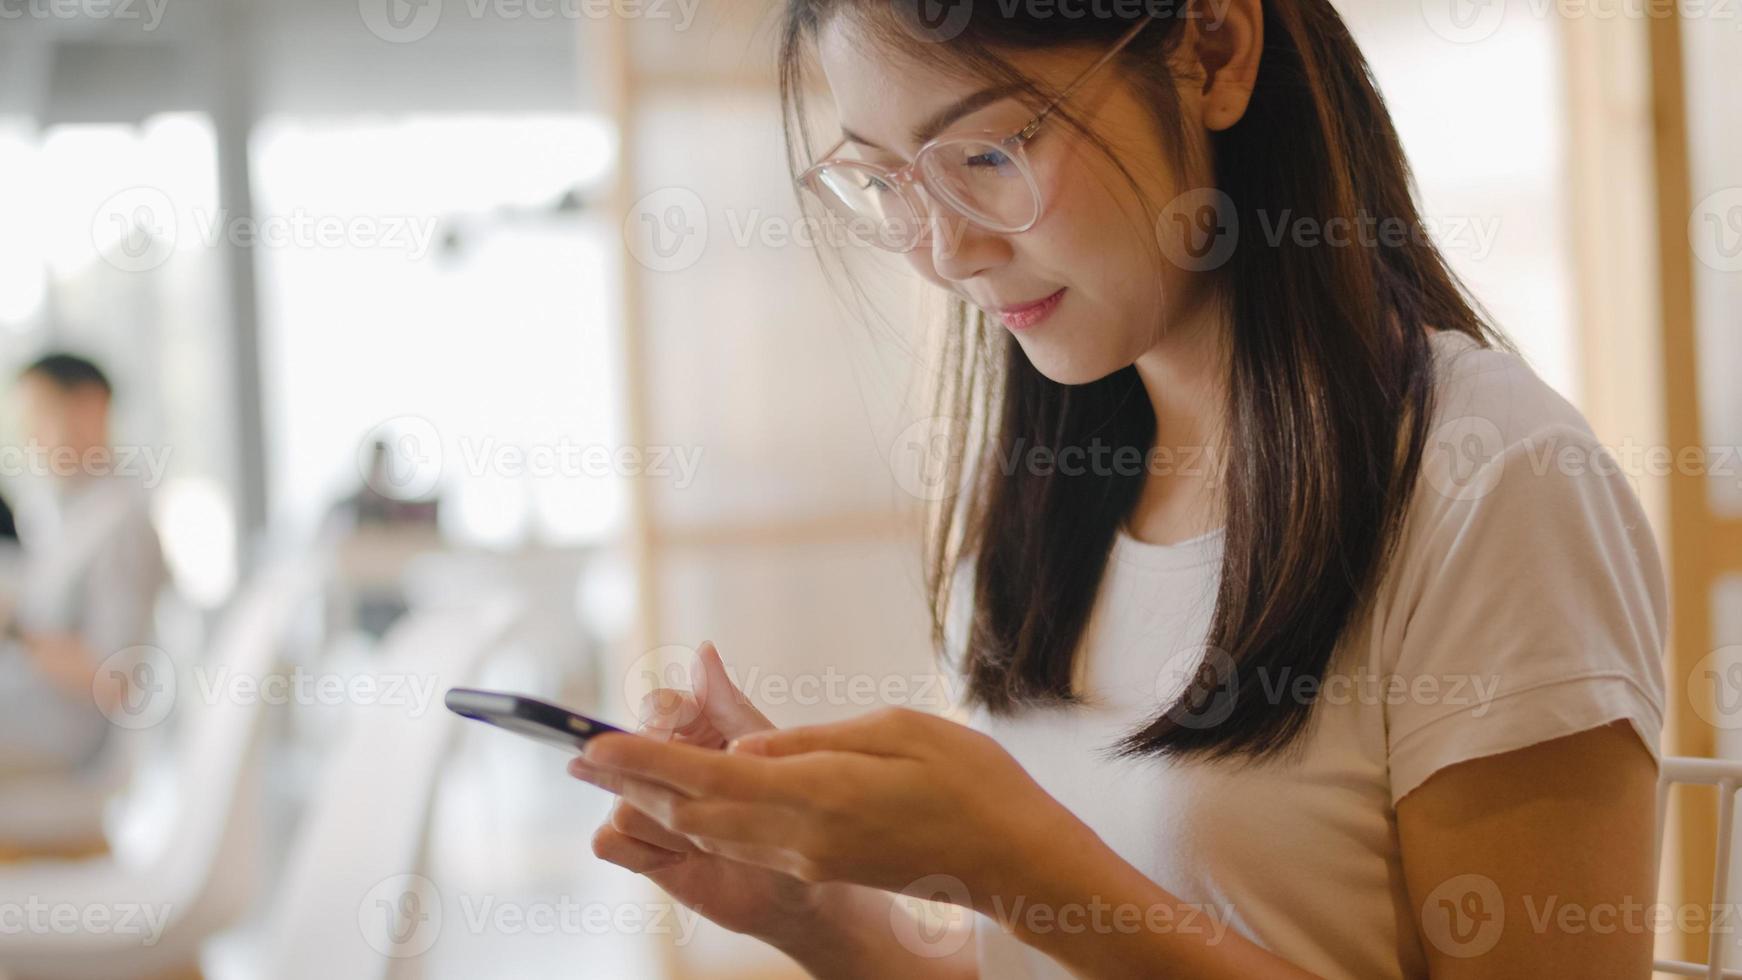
[{"x": 985, "y": 177}]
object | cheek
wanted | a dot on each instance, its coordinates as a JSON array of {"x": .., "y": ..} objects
[
  {"x": 919, "y": 260},
  {"x": 1094, "y": 234}
]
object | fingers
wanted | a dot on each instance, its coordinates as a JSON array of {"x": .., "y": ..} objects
[
  {"x": 610, "y": 782},
  {"x": 611, "y": 844},
  {"x": 711, "y": 823},
  {"x": 887, "y": 732},
  {"x": 724, "y": 705},
  {"x": 668, "y": 714},
  {"x": 716, "y": 712},
  {"x": 692, "y": 770},
  {"x": 760, "y": 855},
  {"x": 632, "y": 822},
  {"x": 623, "y": 841}
]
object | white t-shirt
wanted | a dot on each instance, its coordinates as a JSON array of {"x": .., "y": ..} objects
[{"x": 1527, "y": 602}]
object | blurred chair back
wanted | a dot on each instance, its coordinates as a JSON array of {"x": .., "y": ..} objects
[
  {"x": 210, "y": 857},
  {"x": 73, "y": 813},
  {"x": 203, "y": 874},
  {"x": 354, "y": 904}
]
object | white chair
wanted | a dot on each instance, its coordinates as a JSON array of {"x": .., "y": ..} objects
[
  {"x": 1726, "y": 776},
  {"x": 145, "y": 919},
  {"x": 52, "y": 812},
  {"x": 73, "y": 811},
  {"x": 358, "y": 851}
]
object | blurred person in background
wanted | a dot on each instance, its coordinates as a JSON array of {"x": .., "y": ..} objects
[{"x": 89, "y": 574}]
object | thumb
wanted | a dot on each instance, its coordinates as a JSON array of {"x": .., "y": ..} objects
[
  {"x": 728, "y": 708},
  {"x": 666, "y": 712}
]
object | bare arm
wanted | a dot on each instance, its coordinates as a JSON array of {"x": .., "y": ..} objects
[
  {"x": 1537, "y": 862},
  {"x": 858, "y": 941}
]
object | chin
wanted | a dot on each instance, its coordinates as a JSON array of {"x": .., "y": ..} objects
[{"x": 1062, "y": 365}]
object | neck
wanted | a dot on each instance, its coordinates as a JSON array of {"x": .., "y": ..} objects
[{"x": 1185, "y": 376}]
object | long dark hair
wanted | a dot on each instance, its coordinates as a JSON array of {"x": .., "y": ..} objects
[{"x": 1330, "y": 385}]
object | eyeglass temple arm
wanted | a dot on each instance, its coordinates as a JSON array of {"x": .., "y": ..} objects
[
  {"x": 1027, "y": 132},
  {"x": 821, "y": 159}
]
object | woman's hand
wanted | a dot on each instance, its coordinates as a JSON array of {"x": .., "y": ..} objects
[
  {"x": 907, "y": 802},
  {"x": 896, "y": 799},
  {"x": 741, "y": 897}
]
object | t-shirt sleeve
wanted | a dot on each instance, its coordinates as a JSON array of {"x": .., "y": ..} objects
[{"x": 1535, "y": 591}]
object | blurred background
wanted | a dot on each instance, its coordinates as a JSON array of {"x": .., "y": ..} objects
[{"x": 482, "y": 342}]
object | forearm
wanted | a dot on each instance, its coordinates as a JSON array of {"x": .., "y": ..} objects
[
  {"x": 855, "y": 939},
  {"x": 1090, "y": 910}
]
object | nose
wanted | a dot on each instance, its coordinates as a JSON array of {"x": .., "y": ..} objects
[{"x": 959, "y": 249}]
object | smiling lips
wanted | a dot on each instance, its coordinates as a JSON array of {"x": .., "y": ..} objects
[{"x": 1024, "y": 316}]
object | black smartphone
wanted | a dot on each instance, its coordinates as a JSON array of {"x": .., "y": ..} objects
[{"x": 526, "y": 716}]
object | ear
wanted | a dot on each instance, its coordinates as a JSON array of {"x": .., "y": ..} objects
[{"x": 1227, "y": 39}]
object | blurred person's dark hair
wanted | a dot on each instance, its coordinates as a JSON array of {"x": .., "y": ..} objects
[{"x": 68, "y": 372}]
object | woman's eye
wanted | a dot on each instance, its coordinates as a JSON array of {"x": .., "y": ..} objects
[
  {"x": 989, "y": 158},
  {"x": 875, "y": 183}
]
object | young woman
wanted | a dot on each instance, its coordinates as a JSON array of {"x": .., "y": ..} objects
[{"x": 1336, "y": 650}]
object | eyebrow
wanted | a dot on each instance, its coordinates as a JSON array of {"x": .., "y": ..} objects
[{"x": 934, "y": 124}]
